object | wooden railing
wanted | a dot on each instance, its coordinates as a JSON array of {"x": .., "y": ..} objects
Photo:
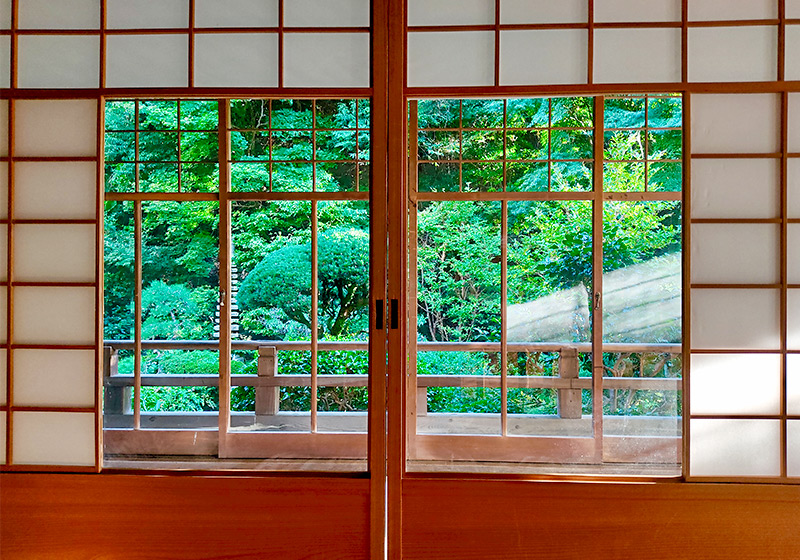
[{"x": 268, "y": 381}]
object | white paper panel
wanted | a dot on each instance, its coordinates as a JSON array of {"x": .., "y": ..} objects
[
  {"x": 637, "y": 55},
  {"x": 793, "y": 9},
  {"x": 147, "y": 60},
  {"x": 54, "y": 377},
  {"x": 735, "y": 123},
  {"x": 3, "y": 190},
  {"x": 54, "y": 253},
  {"x": 3, "y": 318},
  {"x": 3, "y": 376},
  {"x": 53, "y": 438},
  {"x": 464, "y": 58},
  {"x": 236, "y": 60},
  {"x": 636, "y": 10},
  {"x": 794, "y": 122},
  {"x": 55, "y": 128},
  {"x": 793, "y": 384},
  {"x": 736, "y": 384},
  {"x": 793, "y": 319},
  {"x": 543, "y": 11},
  {"x": 326, "y": 13},
  {"x": 3, "y": 252},
  {"x": 735, "y": 447},
  {"x": 2, "y": 437},
  {"x": 707, "y": 10},
  {"x": 326, "y": 59},
  {"x": 61, "y": 190},
  {"x": 733, "y": 54},
  {"x": 735, "y": 188},
  {"x": 61, "y": 14},
  {"x": 793, "y": 196},
  {"x": 3, "y": 127},
  {"x": 5, "y": 14},
  {"x": 545, "y": 56},
  {"x": 731, "y": 319},
  {"x": 450, "y": 12},
  {"x": 236, "y": 13},
  {"x": 139, "y": 14},
  {"x": 54, "y": 315},
  {"x": 59, "y": 61},
  {"x": 793, "y": 253},
  {"x": 735, "y": 253},
  {"x": 793, "y": 448},
  {"x": 792, "y": 68},
  {"x": 5, "y": 61}
]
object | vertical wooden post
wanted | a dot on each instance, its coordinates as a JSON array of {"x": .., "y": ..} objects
[
  {"x": 267, "y": 396},
  {"x": 116, "y": 400},
  {"x": 422, "y": 401},
  {"x": 569, "y": 400}
]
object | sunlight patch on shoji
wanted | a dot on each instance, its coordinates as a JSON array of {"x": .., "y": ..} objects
[
  {"x": 63, "y": 14},
  {"x": 54, "y": 377},
  {"x": 326, "y": 59},
  {"x": 53, "y": 438},
  {"x": 236, "y": 13},
  {"x": 543, "y": 11},
  {"x": 546, "y": 56},
  {"x": 637, "y": 55},
  {"x": 736, "y": 384},
  {"x": 438, "y": 58},
  {"x": 450, "y": 12},
  {"x": 793, "y": 384},
  {"x": 636, "y": 10},
  {"x": 710, "y": 10},
  {"x": 735, "y": 447},
  {"x": 147, "y": 60},
  {"x": 735, "y": 253},
  {"x": 733, "y": 54},
  {"x": 735, "y": 188},
  {"x": 59, "y": 61},
  {"x": 326, "y": 13},
  {"x": 141, "y": 14},
  {"x": 236, "y": 60}
]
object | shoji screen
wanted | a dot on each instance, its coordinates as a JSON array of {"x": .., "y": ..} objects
[{"x": 51, "y": 289}]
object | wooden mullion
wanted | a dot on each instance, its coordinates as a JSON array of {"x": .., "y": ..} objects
[
  {"x": 314, "y": 312},
  {"x": 225, "y": 257},
  {"x": 597, "y": 281},
  {"x": 784, "y": 270}
]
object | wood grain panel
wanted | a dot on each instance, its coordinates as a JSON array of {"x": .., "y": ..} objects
[
  {"x": 510, "y": 520},
  {"x": 182, "y": 517}
]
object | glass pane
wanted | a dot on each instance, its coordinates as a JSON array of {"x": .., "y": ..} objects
[
  {"x": 271, "y": 310},
  {"x": 458, "y": 317}
]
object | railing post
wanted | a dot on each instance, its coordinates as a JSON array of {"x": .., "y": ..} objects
[
  {"x": 569, "y": 400},
  {"x": 268, "y": 396},
  {"x": 422, "y": 401},
  {"x": 116, "y": 400}
]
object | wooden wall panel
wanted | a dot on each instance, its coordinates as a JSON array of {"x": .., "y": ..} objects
[
  {"x": 516, "y": 520},
  {"x": 182, "y": 517}
]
